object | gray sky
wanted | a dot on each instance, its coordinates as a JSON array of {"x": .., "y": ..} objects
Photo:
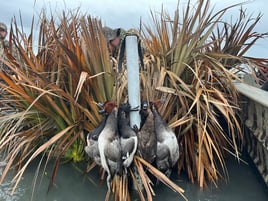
[{"x": 127, "y": 13}]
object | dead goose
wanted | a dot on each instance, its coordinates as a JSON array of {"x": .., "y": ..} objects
[
  {"x": 146, "y": 135},
  {"x": 128, "y": 137},
  {"x": 109, "y": 144},
  {"x": 92, "y": 142},
  {"x": 92, "y": 149},
  {"x": 167, "y": 153}
]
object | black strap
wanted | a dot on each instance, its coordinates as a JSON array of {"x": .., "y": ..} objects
[{"x": 121, "y": 54}]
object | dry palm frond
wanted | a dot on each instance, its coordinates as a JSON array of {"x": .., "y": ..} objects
[
  {"x": 190, "y": 70},
  {"x": 46, "y": 111},
  {"x": 231, "y": 41}
]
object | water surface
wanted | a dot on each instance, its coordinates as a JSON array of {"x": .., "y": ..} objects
[{"x": 245, "y": 184}]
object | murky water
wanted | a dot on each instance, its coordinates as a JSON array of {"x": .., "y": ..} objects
[{"x": 245, "y": 184}]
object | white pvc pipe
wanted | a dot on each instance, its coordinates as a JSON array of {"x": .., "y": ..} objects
[{"x": 132, "y": 59}]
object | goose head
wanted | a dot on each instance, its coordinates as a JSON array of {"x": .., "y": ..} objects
[{"x": 108, "y": 106}]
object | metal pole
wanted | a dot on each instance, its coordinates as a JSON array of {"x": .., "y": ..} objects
[{"x": 132, "y": 59}]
